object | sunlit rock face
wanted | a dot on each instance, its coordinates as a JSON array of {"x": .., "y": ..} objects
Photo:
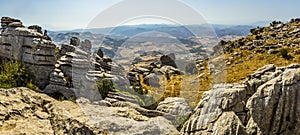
[
  {"x": 77, "y": 71},
  {"x": 29, "y": 45},
  {"x": 266, "y": 103},
  {"x": 24, "y": 111}
]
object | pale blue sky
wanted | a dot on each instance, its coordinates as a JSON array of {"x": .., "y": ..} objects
[{"x": 72, "y": 14}]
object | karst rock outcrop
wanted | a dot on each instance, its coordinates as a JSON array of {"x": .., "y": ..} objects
[
  {"x": 266, "y": 103},
  {"x": 29, "y": 45},
  {"x": 77, "y": 71}
]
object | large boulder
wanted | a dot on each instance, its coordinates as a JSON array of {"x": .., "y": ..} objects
[
  {"x": 36, "y": 27},
  {"x": 124, "y": 118},
  {"x": 75, "y": 41},
  {"x": 275, "y": 108},
  {"x": 168, "y": 60}
]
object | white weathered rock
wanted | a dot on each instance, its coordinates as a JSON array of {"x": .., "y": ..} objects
[
  {"x": 76, "y": 72},
  {"x": 28, "y": 46},
  {"x": 266, "y": 103},
  {"x": 274, "y": 108},
  {"x": 178, "y": 107},
  {"x": 24, "y": 111}
]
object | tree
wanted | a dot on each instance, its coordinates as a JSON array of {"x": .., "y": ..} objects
[{"x": 105, "y": 86}]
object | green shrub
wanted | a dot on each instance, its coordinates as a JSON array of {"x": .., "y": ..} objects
[
  {"x": 105, "y": 86},
  {"x": 138, "y": 88},
  {"x": 14, "y": 74},
  {"x": 284, "y": 53},
  {"x": 30, "y": 85},
  {"x": 56, "y": 52},
  {"x": 185, "y": 119}
]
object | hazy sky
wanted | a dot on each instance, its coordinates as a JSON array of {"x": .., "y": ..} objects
[{"x": 72, "y": 14}]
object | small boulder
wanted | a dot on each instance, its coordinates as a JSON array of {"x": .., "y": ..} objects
[
  {"x": 37, "y": 28},
  {"x": 273, "y": 51},
  {"x": 75, "y": 41},
  {"x": 15, "y": 24},
  {"x": 168, "y": 60}
]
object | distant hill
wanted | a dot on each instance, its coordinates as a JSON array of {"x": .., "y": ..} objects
[
  {"x": 111, "y": 38},
  {"x": 174, "y": 30}
]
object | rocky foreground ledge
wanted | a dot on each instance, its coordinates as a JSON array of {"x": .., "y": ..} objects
[
  {"x": 267, "y": 103},
  {"x": 23, "y": 111}
]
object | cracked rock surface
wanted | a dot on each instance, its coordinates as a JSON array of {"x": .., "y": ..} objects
[
  {"x": 23, "y": 111},
  {"x": 267, "y": 103}
]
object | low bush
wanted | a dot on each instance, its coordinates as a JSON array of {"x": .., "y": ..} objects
[
  {"x": 284, "y": 54},
  {"x": 138, "y": 89},
  {"x": 14, "y": 74},
  {"x": 105, "y": 86}
]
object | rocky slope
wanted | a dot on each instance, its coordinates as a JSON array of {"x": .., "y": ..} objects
[
  {"x": 266, "y": 103},
  {"x": 277, "y": 44},
  {"x": 268, "y": 39}
]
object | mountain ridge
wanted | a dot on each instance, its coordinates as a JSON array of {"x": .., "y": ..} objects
[{"x": 121, "y": 30}]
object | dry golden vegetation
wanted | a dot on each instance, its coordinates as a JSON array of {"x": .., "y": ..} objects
[
  {"x": 242, "y": 68},
  {"x": 239, "y": 67}
]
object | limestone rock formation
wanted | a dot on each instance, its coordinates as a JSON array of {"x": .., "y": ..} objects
[
  {"x": 37, "y": 28},
  {"x": 129, "y": 119},
  {"x": 178, "y": 107},
  {"x": 77, "y": 71},
  {"x": 29, "y": 46},
  {"x": 116, "y": 97},
  {"x": 266, "y": 103},
  {"x": 24, "y": 111},
  {"x": 70, "y": 75},
  {"x": 10, "y": 22},
  {"x": 153, "y": 71},
  {"x": 275, "y": 107}
]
